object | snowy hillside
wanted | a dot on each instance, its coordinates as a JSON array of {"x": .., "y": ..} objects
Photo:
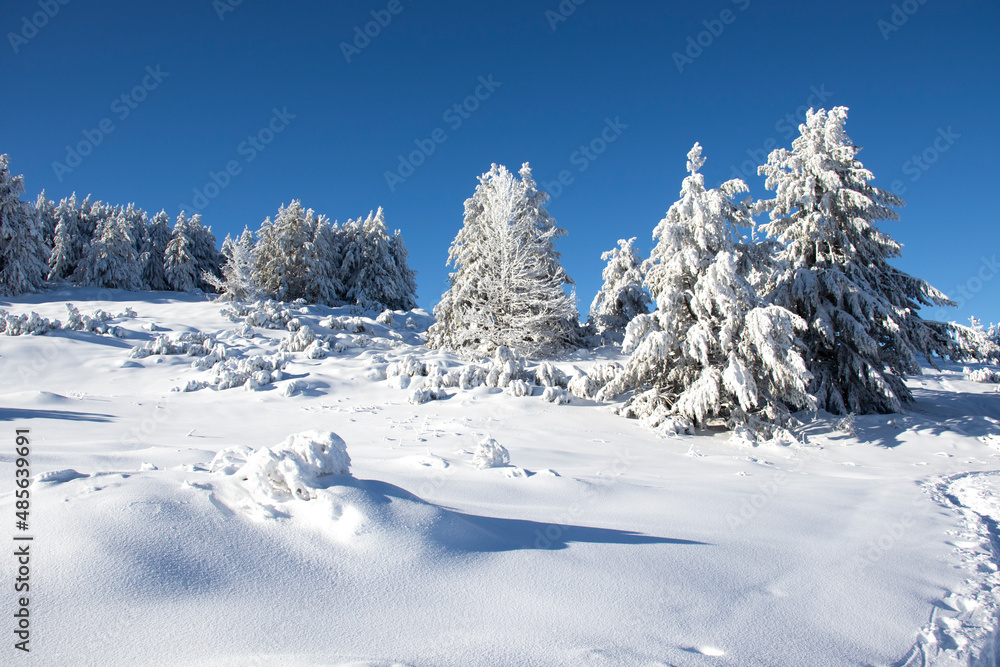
[{"x": 491, "y": 514}]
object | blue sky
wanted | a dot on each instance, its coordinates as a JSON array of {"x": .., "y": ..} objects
[{"x": 270, "y": 92}]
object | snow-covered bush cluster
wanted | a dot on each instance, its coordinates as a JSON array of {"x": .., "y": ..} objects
[
  {"x": 351, "y": 324},
  {"x": 973, "y": 342},
  {"x": 35, "y": 325},
  {"x": 252, "y": 373},
  {"x": 982, "y": 374},
  {"x": 263, "y": 314},
  {"x": 190, "y": 343},
  {"x": 25, "y": 325},
  {"x": 291, "y": 470},
  {"x": 490, "y": 454}
]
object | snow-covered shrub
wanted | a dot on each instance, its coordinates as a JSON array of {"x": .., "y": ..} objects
[
  {"x": 408, "y": 366},
  {"x": 547, "y": 375},
  {"x": 411, "y": 324},
  {"x": 294, "y": 324},
  {"x": 291, "y": 470},
  {"x": 318, "y": 349},
  {"x": 556, "y": 395},
  {"x": 299, "y": 341},
  {"x": 292, "y": 388},
  {"x": 386, "y": 317},
  {"x": 227, "y": 461},
  {"x": 583, "y": 386},
  {"x": 25, "y": 325},
  {"x": 230, "y": 373},
  {"x": 471, "y": 376},
  {"x": 426, "y": 393},
  {"x": 191, "y": 343},
  {"x": 243, "y": 330},
  {"x": 490, "y": 454},
  {"x": 266, "y": 314},
  {"x": 982, "y": 375},
  {"x": 518, "y": 388},
  {"x": 504, "y": 368}
]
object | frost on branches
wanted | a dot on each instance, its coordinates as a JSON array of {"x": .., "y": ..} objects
[
  {"x": 622, "y": 297},
  {"x": 864, "y": 332},
  {"x": 711, "y": 348},
  {"x": 238, "y": 282},
  {"x": 508, "y": 285},
  {"x": 110, "y": 259},
  {"x": 22, "y": 246}
]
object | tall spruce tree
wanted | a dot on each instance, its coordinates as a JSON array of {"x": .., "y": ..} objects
[
  {"x": 22, "y": 245},
  {"x": 864, "y": 331}
]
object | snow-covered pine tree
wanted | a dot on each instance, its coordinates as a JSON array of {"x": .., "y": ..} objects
[
  {"x": 138, "y": 221},
  {"x": 864, "y": 332},
  {"x": 22, "y": 246},
  {"x": 68, "y": 241},
  {"x": 207, "y": 260},
  {"x": 377, "y": 273},
  {"x": 237, "y": 282},
  {"x": 284, "y": 253},
  {"x": 325, "y": 283},
  {"x": 154, "y": 247},
  {"x": 622, "y": 296},
  {"x": 508, "y": 285},
  {"x": 711, "y": 348},
  {"x": 46, "y": 209},
  {"x": 178, "y": 258},
  {"x": 110, "y": 259}
]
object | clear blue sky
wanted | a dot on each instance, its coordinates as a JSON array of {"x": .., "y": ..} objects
[{"x": 928, "y": 88}]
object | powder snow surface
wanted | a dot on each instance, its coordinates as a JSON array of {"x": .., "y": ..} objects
[{"x": 865, "y": 543}]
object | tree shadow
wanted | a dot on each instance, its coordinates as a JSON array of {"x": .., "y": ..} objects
[
  {"x": 17, "y": 414},
  {"x": 459, "y": 531}
]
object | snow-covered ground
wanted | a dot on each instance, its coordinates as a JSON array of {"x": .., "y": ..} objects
[{"x": 867, "y": 543}]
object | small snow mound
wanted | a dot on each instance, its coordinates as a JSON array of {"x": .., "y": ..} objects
[
  {"x": 58, "y": 476},
  {"x": 227, "y": 461},
  {"x": 292, "y": 468},
  {"x": 490, "y": 454}
]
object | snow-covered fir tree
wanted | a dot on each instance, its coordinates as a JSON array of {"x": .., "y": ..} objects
[
  {"x": 284, "y": 253},
  {"x": 46, "y": 209},
  {"x": 22, "y": 244},
  {"x": 711, "y": 348},
  {"x": 326, "y": 283},
  {"x": 622, "y": 296},
  {"x": 237, "y": 282},
  {"x": 864, "y": 331},
  {"x": 508, "y": 285},
  {"x": 110, "y": 259},
  {"x": 207, "y": 260},
  {"x": 68, "y": 241},
  {"x": 375, "y": 269},
  {"x": 178, "y": 258},
  {"x": 154, "y": 246}
]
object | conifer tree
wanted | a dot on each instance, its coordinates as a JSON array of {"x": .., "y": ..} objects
[
  {"x": 110, "y": 259},
  {"x": 711, "y": 348},
  {"x": 22, "y": 246},
  {"x": 622, "y": 296},
  {"x": 508, "y": 285},
  {"x": 864, "y": 331},
  {"x": 154, "y": 246},
  {"x": 178, "y": 258}
]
